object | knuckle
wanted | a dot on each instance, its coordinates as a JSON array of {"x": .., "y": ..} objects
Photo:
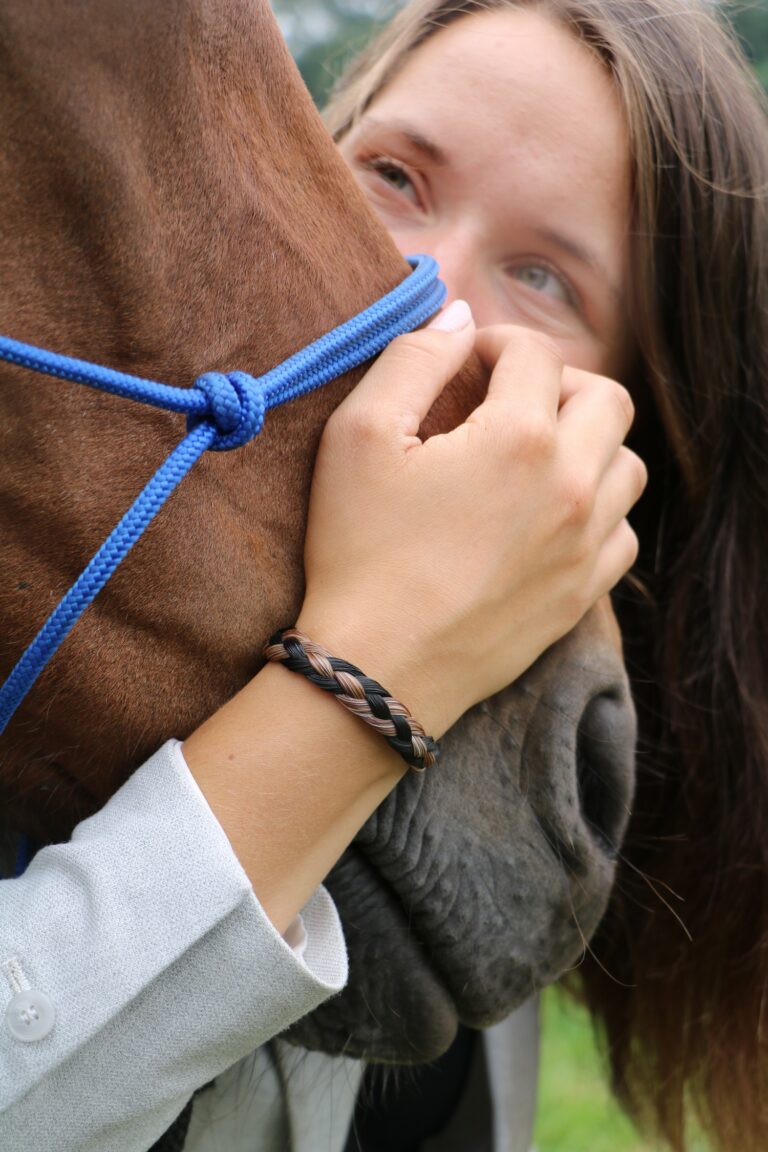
[
  {"x": 632, "y": 544},
  {"x": 623, "y": 402},
  {"x": 351, "y": 424},
  {"x": 639, "y": 472},
  {"x": 577, "y": 499},
  {"x": 536, "y": 437}
]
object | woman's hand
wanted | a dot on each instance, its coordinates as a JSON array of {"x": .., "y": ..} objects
[{"x": 444, "y": 568}]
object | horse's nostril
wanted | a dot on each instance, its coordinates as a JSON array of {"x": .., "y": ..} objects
[{"x": 601, "y": 769}]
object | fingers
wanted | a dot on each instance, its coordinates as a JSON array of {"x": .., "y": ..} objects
[
  {"x": 398, "y": 391},
  {"x": 621, "y": 487},
  {"x": 574, "y": 379},
  {"x": 616, "y": 557},
  {"x": 616, "y": 546},
  {"x": 526, "y": 373},
  {"x": 595, "y": 417}
]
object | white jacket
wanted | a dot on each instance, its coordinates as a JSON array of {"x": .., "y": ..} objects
[{"x": 140, "y": 957}]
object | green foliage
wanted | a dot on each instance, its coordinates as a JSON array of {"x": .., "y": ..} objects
[
  {"x": 575, "y": 1109},
  {"x": 750, "y": 21},
  {"x": 576, "y": 1112},
  {"x": 324, "y": 34},
  {"x": 322, "y": 64}
]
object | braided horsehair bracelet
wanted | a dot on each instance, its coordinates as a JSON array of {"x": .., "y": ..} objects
[{"x": 358, "y": 693}]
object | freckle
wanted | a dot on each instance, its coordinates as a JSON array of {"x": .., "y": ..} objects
[{"x": 231, "y": 756}]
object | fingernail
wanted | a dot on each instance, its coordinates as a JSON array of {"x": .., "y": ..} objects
[{"x": 455, "y": 317}]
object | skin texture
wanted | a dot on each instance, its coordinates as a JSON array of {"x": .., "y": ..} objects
[
  {"x": 149, "y": 152},
  {"x": 525, "y": 202}
]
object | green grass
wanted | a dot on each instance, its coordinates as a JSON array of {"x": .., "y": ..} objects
[{"x": 576, "y": 1111}]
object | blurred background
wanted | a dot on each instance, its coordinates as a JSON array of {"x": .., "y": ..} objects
[
  {"x": 576, "y": 1112},
  {"x": 323, "y": 34}
]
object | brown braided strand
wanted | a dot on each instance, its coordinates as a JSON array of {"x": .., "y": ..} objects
[{"x": 358, "y": 693}]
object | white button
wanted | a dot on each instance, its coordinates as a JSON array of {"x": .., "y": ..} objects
[{"x": 30, "y": 1015}]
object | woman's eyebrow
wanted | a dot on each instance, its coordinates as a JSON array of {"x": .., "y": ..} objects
[
  {"x": 583, "y": 255},
  {"x": 416, "y": 139}
]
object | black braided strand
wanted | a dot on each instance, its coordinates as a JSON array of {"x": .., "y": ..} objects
[{"x": 356, "y": 692}]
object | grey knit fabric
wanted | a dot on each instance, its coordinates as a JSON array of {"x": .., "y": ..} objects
[{"x": 174, "y": 1139}]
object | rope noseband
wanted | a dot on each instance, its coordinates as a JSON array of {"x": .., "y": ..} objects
[{"x": 223, "y": 411}]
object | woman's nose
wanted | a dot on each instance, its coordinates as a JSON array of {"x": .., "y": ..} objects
[
  {"x": 462, "y": 267},
  {"x": 461, "y": 271},
  {"x": 453, "y": 254}
]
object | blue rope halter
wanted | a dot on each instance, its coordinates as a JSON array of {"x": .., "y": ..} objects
[{"x": 223, "y": 412}]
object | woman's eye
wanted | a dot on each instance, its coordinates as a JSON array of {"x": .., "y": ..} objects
[
  {"x": 540, "y": 278},
  {"x": 392, "y": 174}
]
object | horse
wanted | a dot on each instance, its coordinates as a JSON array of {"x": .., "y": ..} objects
[{"x": 174, "y": 205}]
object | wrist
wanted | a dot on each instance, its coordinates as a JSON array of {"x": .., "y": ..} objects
[
  {"x": 356, "y": 691},
  {"x": 389, "y": 652},
  {"x": 291, "y": 778}
]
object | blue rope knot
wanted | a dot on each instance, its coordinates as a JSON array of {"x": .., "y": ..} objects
[
  {"x": 236, "y": 408},
  {"x": 223, "y": 411}
]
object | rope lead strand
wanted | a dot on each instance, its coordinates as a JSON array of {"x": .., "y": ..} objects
[{"x": 223, "y": 411}]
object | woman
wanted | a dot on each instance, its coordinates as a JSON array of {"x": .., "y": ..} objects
[
  {"x": 608, "y": 323},
  {"x": 677, "y": 971}
]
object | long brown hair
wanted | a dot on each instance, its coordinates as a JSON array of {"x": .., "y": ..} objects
[{"x": 677, "y": 971}]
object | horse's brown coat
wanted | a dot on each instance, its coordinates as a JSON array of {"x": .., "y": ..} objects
[{"x": 172, "y": 204}]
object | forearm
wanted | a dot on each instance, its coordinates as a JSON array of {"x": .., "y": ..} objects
[{"x": 291, "y": 777}]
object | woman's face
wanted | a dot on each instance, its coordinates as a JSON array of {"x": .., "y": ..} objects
[{"x": 501, "y": 150}]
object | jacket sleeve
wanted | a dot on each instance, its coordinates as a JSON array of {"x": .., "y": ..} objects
[{"x": 136, "y": 964}]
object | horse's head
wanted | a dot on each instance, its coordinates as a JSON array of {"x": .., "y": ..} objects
[{"x": 173, "y": 204}]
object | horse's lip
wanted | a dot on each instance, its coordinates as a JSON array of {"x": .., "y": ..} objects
[
  {"x": 480, "y": 987},
  {"x": 428, "y": 959}
]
